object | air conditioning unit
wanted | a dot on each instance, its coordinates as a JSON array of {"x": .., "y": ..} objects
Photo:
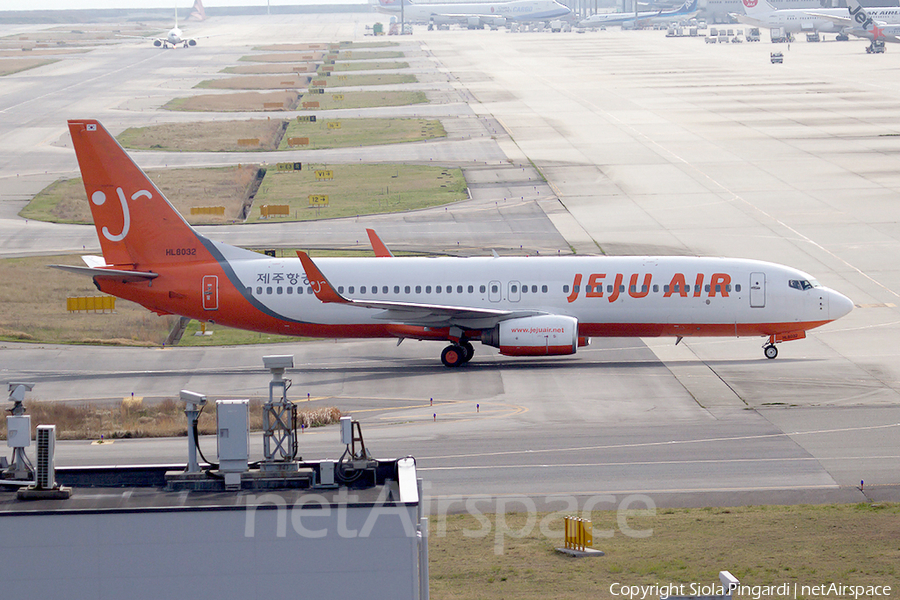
[{"x": 45, "y": 476}]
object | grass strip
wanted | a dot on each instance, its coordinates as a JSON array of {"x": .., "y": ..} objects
[
  {"x": 493, "y": 556},
  {"x": 344, "y": 133},
  {"x": 133, "y": 418},
  {"x": 330, "y": 100},
  {"x": 357, "y": 190}
]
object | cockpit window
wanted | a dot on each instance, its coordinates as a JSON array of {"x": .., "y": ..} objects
[{"x": 802, "y": 284}]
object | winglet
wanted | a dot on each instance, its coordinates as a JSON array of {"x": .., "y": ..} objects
[
  {"x": 321, "y": 287},
  {"x": 378, "y": 246}
]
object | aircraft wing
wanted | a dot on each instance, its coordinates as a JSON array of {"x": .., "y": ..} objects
[
  {"x": 842, "y": 21},
  {"x": 411, "y": 313}
]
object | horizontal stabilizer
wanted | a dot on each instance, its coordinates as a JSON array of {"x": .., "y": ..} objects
[{"x": 106, "y": 272}]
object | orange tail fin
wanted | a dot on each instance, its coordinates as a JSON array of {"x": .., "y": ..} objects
[{"x": 136, "y": 225}]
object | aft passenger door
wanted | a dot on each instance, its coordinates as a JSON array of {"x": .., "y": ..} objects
[{"x": 757, "y": 290}]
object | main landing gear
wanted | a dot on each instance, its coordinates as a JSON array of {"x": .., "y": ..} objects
[
  {"x": 457, "y": 354},
  {"x": 770, "y": 350}
]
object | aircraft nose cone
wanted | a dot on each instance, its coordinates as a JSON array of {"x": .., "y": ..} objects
[{"x": 838, "y": 305}]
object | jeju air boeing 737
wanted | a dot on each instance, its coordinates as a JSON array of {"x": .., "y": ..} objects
[{"x": 525, "y": 306}]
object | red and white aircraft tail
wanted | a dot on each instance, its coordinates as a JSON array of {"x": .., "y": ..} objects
[
  {"x": 525, "y": 306},
  {"x": 198, "y": 13}
]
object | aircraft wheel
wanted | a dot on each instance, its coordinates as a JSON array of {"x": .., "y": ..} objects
[
  {"x": 453, "y": 356},
  {"x": 469, "y": 349},
  {"x": 771, "y": 351}
]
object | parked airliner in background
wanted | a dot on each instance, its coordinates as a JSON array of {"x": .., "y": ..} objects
[
  {"x": 871, "y": 23},
  {"x": 761, "y": 13},
  {"x": 685, "y": 11},
  {"x": 525, "y": 306},
  {"x": 876, "y": 23},
  {"x": 475, "y": 14}
]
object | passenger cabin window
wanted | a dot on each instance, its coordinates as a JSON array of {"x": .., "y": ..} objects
[
  {"x": 565, "y": 289},
  {"x": 544, "y": 289},
  {"x": 481, "y": 289}
]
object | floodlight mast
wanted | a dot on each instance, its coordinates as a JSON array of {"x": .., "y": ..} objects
[{"x": 279, "y": 419}]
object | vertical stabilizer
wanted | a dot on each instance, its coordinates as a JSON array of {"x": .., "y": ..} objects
[
  {"x": 135, "y": 222},
  {"x": 758, "y": 9},
  {"x": 198, "y": 13}
]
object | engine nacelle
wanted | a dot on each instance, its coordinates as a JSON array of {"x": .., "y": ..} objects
[
  {"x": 543, "y": 335},
  {"x": 192, "y": 42},
  {"x": 157, "y": 43}
]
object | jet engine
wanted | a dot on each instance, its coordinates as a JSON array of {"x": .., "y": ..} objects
[
  {"x": 157, "y": 43},
  {"x": 543, "y": 335},
  {"x": 192, "y": 42}
]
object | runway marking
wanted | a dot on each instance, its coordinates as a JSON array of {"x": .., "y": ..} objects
[
  {"x": 456, "y": 417},
  {"x": 654, "y": 463},
  {"x": 668, "y": 443},
  {"x": 734, "y": 196},
  {"x": 78, "y": 84},
  {"x": 561, "y": 495}
]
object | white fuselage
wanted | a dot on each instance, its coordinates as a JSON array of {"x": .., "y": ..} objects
[
  {"x": 798, "y": 20},
  {"x": 514, "y": 10},
  {"x": 644, "y": 296},
  {"x": 645, "y": 18},
  {"x": 174, "y": 36}
]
